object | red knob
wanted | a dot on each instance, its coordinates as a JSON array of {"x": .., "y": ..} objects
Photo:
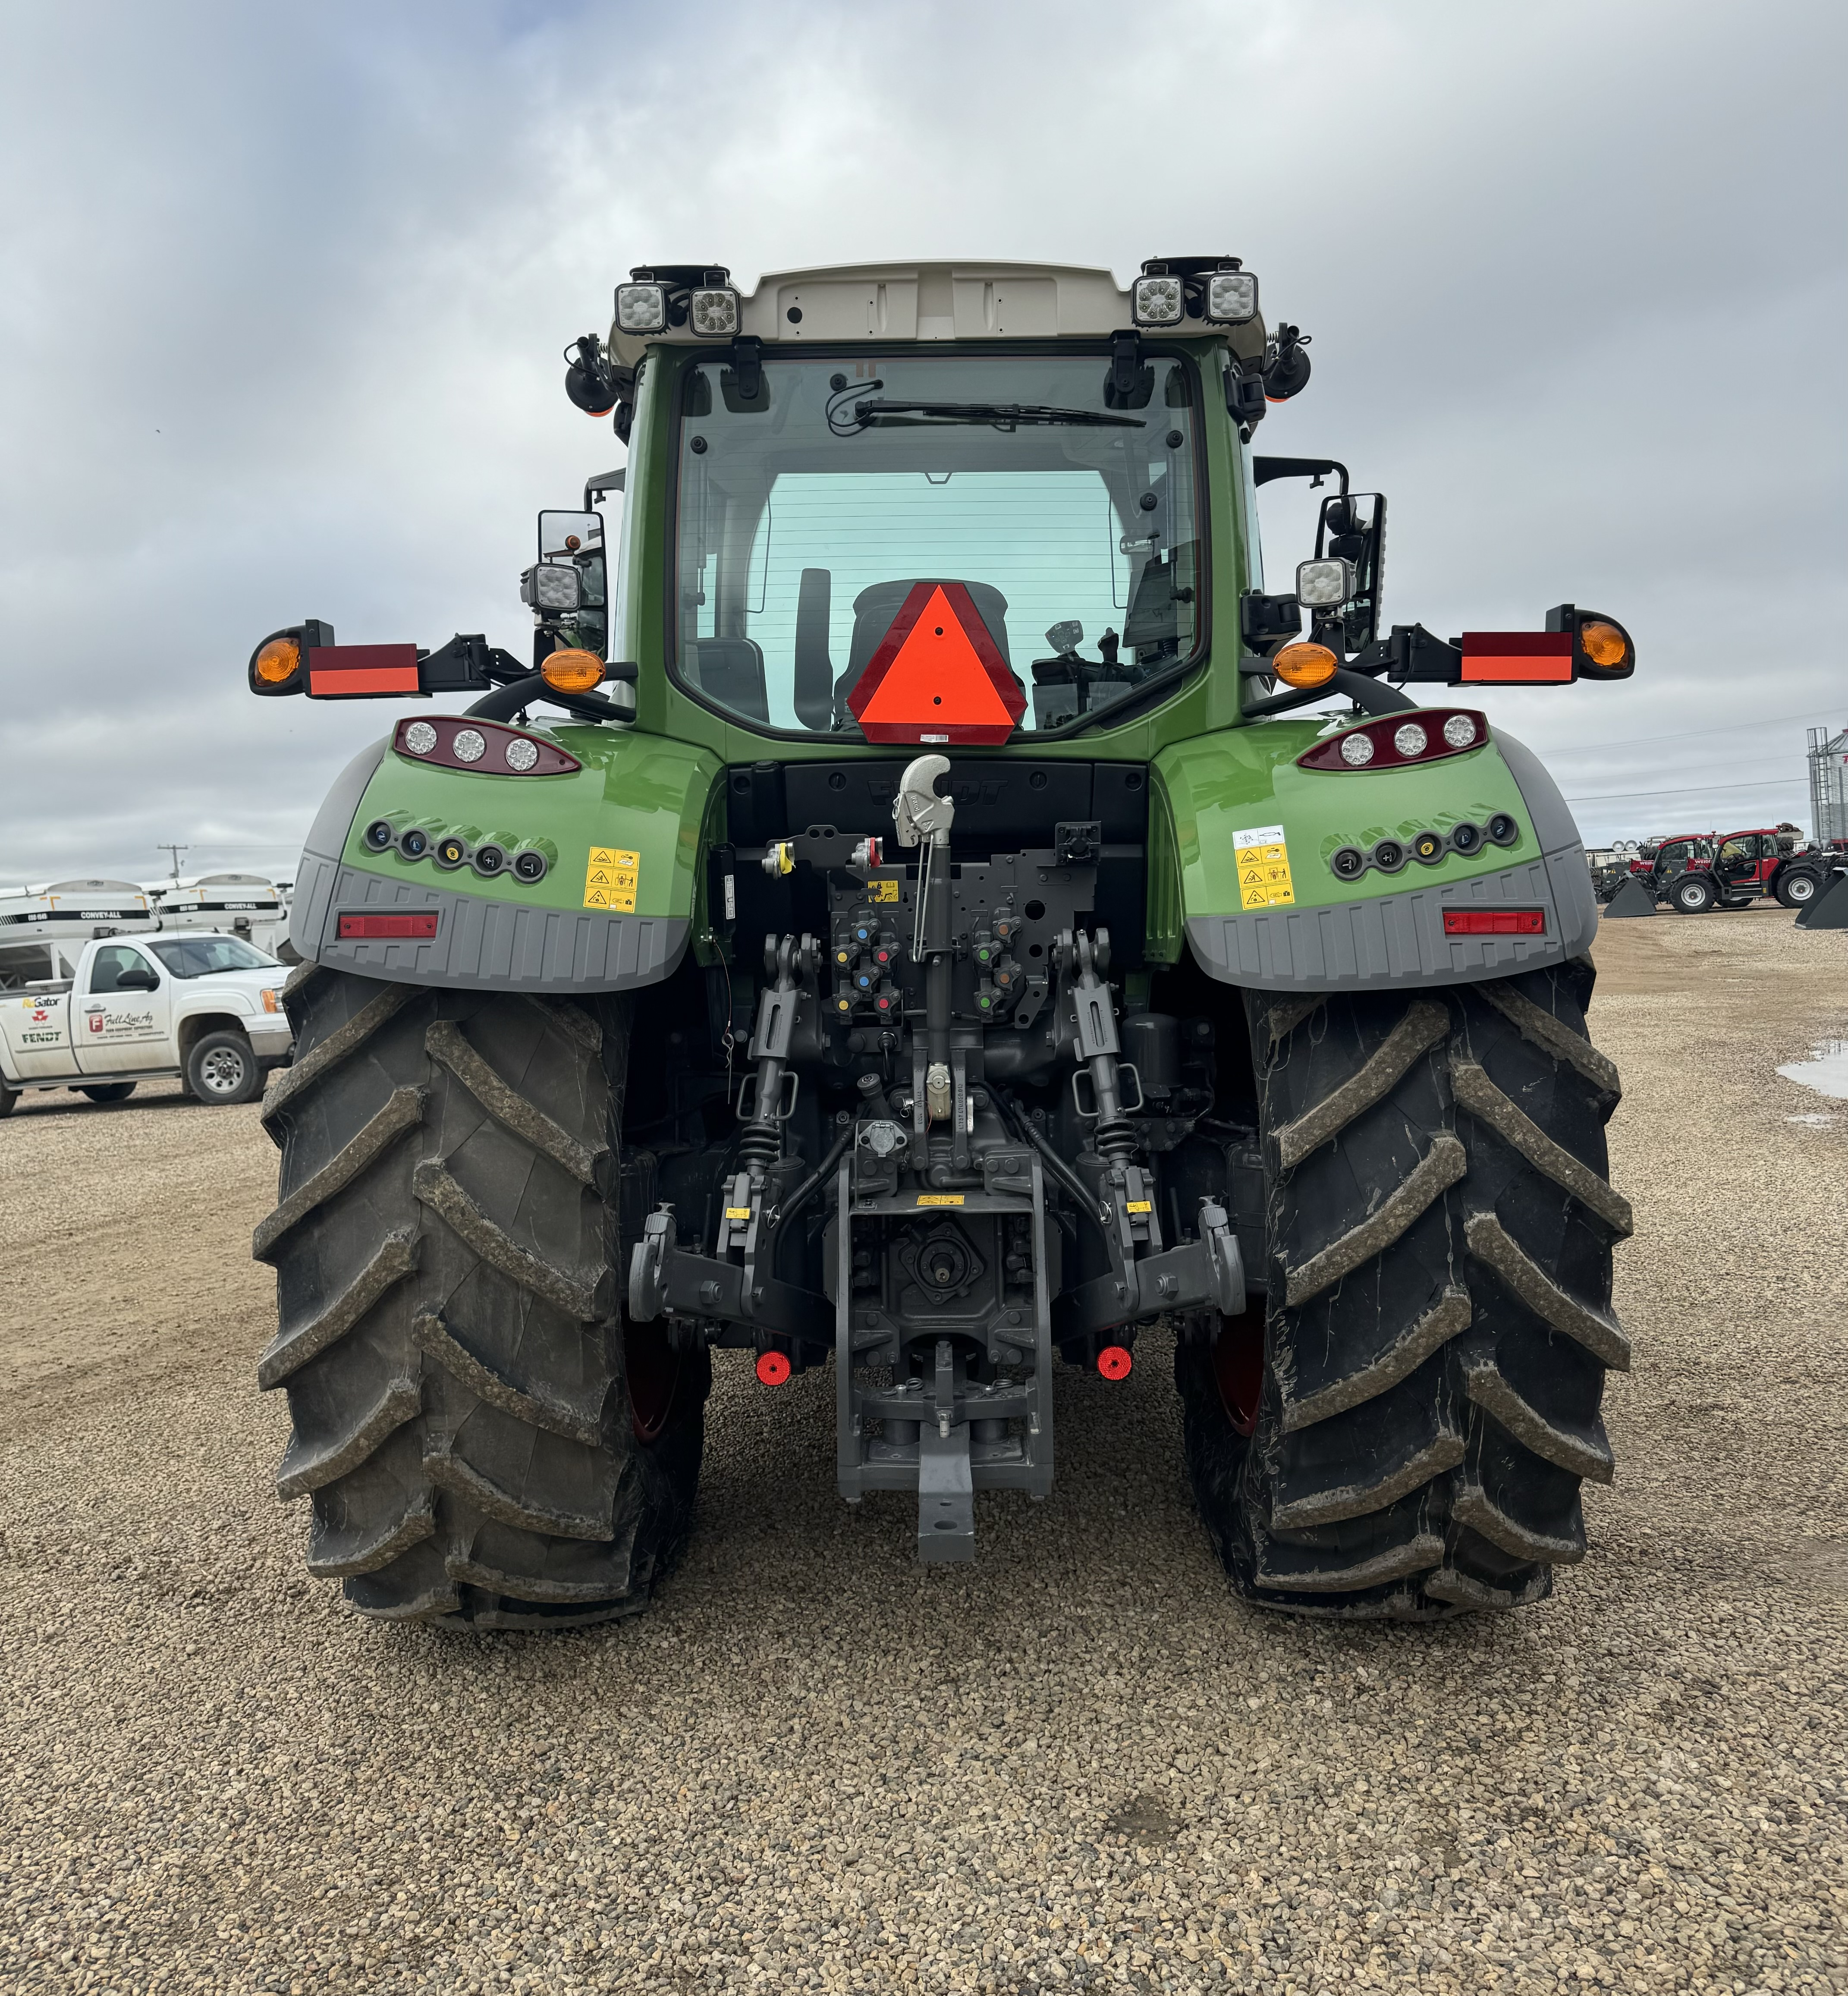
[
  {"x": 773, "y": 1367},
  {"x": 1114, "y": 1361}
]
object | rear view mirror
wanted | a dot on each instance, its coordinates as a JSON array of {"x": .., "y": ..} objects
[
  {"x": 564, "y": 536},
  {"x": 566, "y": 589},
  {"x": 1352, "y": 529}
]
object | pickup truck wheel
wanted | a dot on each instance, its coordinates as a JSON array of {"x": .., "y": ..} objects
[
  {"x": 110, "y": 1091},
  {"x": 483, "y": 1440},
  {"x": 1438, "y": 1316},
  {"x": 9, "y": 1098},
  {"x": 223, "y": 1069},
  {"x": 1798, "y": 890}
]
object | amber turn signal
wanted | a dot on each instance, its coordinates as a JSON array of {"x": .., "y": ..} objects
[
  {"x": 1603, "y": 644},
  {"x": 571, "y": 672},
  {"x": 1303, "y": 665},
  {"x": 278, "y": 661}
]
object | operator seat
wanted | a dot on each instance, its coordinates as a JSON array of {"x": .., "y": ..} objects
[
  {"x": 875, "y": 608},
  {"x": 731, "y": 670}
]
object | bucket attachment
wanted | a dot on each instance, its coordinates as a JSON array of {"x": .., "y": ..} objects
[{"x": 1632, "y": 898}]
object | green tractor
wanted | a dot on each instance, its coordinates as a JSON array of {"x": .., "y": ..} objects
[{"x": 801, "y": 955}]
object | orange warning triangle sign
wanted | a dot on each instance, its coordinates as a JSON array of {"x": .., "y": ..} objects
[{"x": 937, "y": 675}]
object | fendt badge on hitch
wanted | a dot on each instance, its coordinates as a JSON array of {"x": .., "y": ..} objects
[{"x": 798, "y": 956}]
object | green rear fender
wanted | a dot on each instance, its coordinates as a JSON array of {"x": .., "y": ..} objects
[
  {"x": 615, "y": 908},
  {"x": 1243, "y": 838}
]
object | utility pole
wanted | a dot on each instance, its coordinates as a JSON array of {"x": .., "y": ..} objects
[{"x": 176, "y": 851}]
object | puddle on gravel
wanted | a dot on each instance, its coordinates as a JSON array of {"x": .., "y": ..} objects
[
  {"x": 1825, "y": 1071},
  {"x": 1143, "y": 1820}
]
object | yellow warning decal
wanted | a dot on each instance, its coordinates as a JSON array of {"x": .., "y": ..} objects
[
  {"x": 1263, "y": 861},
  {"x": 940, "y": 1199},
  {"x": 882, "y": 890},
  {"x": 1138, "y": 1206},
  {"x": 737, "y": 1213},
  {"x": 610, "y": 880}
]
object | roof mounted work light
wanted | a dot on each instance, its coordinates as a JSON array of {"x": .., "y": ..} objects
[
  {"x": 715, "y": 312},
  {"x": 1157, "y": 301},
  {"x": 1231, "y": 296},
  {"x": 641, "y": 308}
]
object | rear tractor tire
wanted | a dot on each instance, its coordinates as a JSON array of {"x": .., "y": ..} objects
[
  {"x": 481, "y": 1440},
  {"x": 1405, "y": 1430}
]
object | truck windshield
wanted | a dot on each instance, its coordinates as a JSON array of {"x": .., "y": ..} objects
[
  {"x": 808, "y": 514},
  {"x": 199, "y": 956}
]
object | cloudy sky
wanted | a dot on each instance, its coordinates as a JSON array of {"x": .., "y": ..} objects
[{"x": 283, "y": 293}]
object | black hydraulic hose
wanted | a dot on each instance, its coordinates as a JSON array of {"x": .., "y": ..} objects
[
  {"x": 1069, "y": 1179},
  {"x": 1369, "y": 695},
  {"x": 805, "y": 1192},
  {"x": 506, "y": 701}
]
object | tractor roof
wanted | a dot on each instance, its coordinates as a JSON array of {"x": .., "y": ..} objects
[{"x": 959, "y": 299}]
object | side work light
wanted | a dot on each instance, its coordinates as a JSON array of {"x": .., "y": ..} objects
[
  {"x": 1326, "y": 584},
  {"x": 552, "y": 586}
]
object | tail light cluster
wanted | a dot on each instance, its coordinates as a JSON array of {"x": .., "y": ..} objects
[
  {"x": 458, "y": 741},
  {"x": 1395, "y": 742},
  {"x": 490, "y": 858},
  {"x": 1393, "y": 856}
]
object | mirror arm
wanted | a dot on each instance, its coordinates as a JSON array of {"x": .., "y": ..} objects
[{"x": 1265, "y": 468}]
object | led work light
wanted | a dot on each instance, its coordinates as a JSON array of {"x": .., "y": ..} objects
[
  {"x": 553, "y": 586},
  {"x": 1232, "y": 298},
  {"x": 1156, "y": 301},
  {"x": 641, "y": 308},
  {"x": 1326, "y": 584},
  {"x": 713, "y": 312}
]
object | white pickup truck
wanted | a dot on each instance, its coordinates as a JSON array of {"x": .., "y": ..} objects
[{"x": 207, "y": 1007}]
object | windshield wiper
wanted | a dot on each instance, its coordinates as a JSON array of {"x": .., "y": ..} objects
[{"x": 997, "y": 415}]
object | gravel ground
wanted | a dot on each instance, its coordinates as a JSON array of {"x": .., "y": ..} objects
[{"x": 812, "y": 1765}]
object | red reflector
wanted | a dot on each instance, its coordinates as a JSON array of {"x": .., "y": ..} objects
[
  {"x": 773, "y": 1367},
  {"x": 1495, "y": 922},
  {"x": 1114, "y": 1361},
  {"x": 368, "y": 928},
  {"x": 937, "y": 675},
  {"x": 1517, "y": 657},
  {"x": 345, "y": 672}
]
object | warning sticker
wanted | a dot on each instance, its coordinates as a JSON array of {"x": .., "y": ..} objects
[
  {"x": 1263, "y": 868},
  {"x": 882, "y": 890},
  {"x": 737, "y": 1213},
  {"x": 940, "y": 1199},
  {"x": 610, "y": 878}
]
